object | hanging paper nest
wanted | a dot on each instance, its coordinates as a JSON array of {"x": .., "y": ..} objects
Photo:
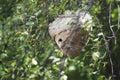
[{"x": 71, "y": 31}]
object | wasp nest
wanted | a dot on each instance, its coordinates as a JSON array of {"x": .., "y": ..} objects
[{"x": 71, "y": 31}]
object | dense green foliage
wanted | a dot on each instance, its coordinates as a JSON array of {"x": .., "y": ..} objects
[{"x": 28, "y": 53}]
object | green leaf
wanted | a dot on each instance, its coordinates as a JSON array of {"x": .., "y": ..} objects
[
  {"x": 3, "y": 55},
  {"x": 2, "y": 73},
  {"x": 30, "y": 23},
  {"x": 96, "y": 56}
]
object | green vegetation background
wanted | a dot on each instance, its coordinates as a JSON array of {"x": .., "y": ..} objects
[{"x": 28, "y": 53}]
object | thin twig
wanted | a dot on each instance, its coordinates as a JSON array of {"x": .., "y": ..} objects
[
  {"x": 113, "y": 34},
  {"x": 110, "y": 25},
  {"x": 107, "y": 50}
]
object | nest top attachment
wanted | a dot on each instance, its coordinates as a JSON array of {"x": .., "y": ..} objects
[{"x": 70, "y": 31}]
